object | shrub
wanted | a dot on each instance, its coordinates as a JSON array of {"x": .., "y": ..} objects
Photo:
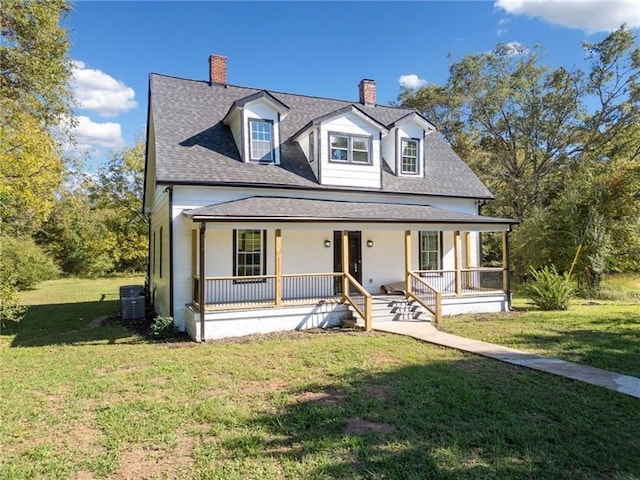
[
  {"x": 10, "y": 308},
  {"x": 549, "y": 290},
  {"x": 162, "y": 327},
  {"x": 27, "y": 261}
]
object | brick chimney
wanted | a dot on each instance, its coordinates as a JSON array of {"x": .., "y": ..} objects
[
  {"x": 217, "y": 69},
  {"x": 367, "y": 90}
]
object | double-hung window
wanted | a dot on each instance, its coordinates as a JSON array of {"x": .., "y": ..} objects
[
  {"x": 409, "y": 151},
  {"x": 249, "y": 252},
  {"x": 261, "y": 140},
  {"x": 430, "y": 250},
  {"x": 349, "y": 148}
]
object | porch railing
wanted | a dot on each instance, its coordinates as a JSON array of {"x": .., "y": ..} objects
[
  {"x": 471, "y": 280},
  {"x": 232, "y": 293},
  {"x": 426, "y": 295},
  {"x": 358, "y": 298}
]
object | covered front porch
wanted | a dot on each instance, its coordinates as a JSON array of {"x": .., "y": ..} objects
[{"x": 318, "y": 266}]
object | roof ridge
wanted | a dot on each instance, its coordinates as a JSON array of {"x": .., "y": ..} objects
[{"x": 353, "y": 102}]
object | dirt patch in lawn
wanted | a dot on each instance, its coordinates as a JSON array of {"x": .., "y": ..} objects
[
  {"x": 376, "y": 391},
  {"x": 360, "y": 426},
  {"x": 144, "y": 463},
  {"x": 329, "y": 397}
]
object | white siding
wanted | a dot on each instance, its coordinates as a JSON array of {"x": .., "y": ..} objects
[
  {"x": 388, "y": 149},
  {"x": 160, "y": 230},
  {"x": 350, "y": 174},
  {"x": 235, "y": 125}
]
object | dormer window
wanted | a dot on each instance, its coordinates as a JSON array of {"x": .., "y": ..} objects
[
  {"x": 349, "y": 148},
  {"x": 410, "y": 149},
  {"x": 261, "y": 140}
]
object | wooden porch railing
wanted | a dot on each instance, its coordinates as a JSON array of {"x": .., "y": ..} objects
[
  {"x": 470, "y": 281},
  {"x": 359, "y": 299},
  {"x": 234, "y": 293},
  {"x": 426, "y": 295}
]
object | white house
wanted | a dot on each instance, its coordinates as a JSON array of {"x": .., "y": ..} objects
[{"x": 273, "y": 211}]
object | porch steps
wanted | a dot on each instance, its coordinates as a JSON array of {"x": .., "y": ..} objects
[{"x": 393, "y": 308}]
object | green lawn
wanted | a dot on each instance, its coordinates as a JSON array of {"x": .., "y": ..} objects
[
  {"x": 604, "y": 334},
  {"x": 91, "y": 403}
]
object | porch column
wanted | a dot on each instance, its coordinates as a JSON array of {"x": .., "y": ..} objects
[
  {"x": 345, "y": 264},
  {"x": 506, "y": 284},
  {"x": 201, "y": 273},
  {"x": 456, "y": 249},
  {"x": 278, "y": 266},
  {"x": 407, "y": 260},
  {"x": 467, "y": 257}
]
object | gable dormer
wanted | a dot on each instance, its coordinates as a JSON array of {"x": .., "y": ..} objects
[
  {"x": 255, "y": 124},
  {"x": 343, "y": 147},
  {"x": 403, "y": 149}
]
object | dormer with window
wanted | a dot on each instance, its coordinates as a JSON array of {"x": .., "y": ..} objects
[
  {"x": 403, "y": 148},
  {"x": 255, "y": 124},
  {"x": 343, "y": 148}
]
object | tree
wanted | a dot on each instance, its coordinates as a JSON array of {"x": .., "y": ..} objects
[
  {"x": 558, "y": 148},
  {"x": 34, "y": 106},
  {"x": 76, "y": 236},
  {"x": 117, "y": 196}
]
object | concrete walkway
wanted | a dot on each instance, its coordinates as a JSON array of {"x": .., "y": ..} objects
[{"x": 595, "y": 376}]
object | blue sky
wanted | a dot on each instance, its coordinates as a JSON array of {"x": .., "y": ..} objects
[{"x": 313, "y": 48}]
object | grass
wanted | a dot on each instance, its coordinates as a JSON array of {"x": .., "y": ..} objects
[
  {"x": 104, "y": 403},
  {"x": 604, "y": 334}
]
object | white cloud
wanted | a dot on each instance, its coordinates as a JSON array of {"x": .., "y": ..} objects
[
  {"x": 501, "y": 31},
  {"x": 589, "y": 15},
  {"x": 98, "y": 92},
  {"x": 90, "y": 135},
  {"x": 411, "y": 81},
  {"x": 515, "y": 48}
]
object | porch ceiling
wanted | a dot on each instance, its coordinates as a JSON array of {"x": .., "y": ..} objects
[{"x": 282, "y": 209}]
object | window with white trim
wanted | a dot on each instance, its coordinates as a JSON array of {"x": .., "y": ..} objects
[
  {"x": 249, "y": 252},
  {"x": 409, "y": 155},
  {"x": 349, "y": 148},
  {"x": 261, "y": 140},
  {"x": 430, "y": 250}
]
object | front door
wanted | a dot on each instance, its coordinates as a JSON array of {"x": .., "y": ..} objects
[{"x": 355, "y": 256}]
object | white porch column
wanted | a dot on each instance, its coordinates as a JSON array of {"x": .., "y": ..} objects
[
  {"x": 278, "y": 266},
  {"x": 345, "y": 264},
  {"x": 458, "y": 260},
  {"x": 202, "y": 276}
]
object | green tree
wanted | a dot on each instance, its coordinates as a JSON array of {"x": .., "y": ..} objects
[
  {"x": 76, "y": 236},
  {"x": 34, "y": 103},
  {"x": 117, "y": 196},
  {"x": 558, "y": 148}
]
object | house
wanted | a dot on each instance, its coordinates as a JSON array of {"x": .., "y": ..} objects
[{"x": 272, "y": 210}]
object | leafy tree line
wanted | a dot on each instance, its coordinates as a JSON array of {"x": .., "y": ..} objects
[
  {"x": 559, "y": 148},
  {"x": 53, "y": 220}
]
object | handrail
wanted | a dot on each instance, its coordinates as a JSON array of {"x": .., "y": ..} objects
[
  {"x": 436, "y": 309},
  {"x": 364, "y": 312}
]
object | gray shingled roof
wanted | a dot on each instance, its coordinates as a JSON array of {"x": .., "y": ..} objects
[
  {"x": 194, "y": 146},
  {"x": 299, "y": 209}
]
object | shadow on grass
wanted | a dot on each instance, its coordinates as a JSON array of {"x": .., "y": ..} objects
[
  {"x": 616, "y": 348},
  {"x": 66, "y": 324},
  {"x": 446, "y": 420}
]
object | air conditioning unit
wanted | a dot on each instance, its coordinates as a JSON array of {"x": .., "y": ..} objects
[
  {"x": 130, "y": 291},
  {"x": 132, "y": 307}
]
